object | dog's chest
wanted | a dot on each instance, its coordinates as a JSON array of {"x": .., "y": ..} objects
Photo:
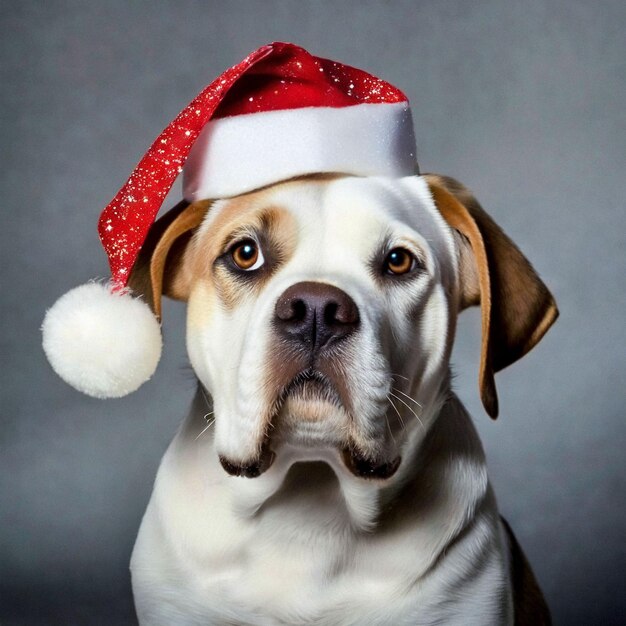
[
  {"x": 296, "y": 572},
  {"x": 305, "y": 583},
  {"x": 299, "y": 561},
  {"x": 300, "y": 566}
]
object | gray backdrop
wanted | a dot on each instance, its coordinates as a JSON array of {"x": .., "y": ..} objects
[{"x": 524, "y": 102}]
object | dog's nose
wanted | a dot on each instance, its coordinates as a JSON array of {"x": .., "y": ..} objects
[{"x": 315, "y": 314}]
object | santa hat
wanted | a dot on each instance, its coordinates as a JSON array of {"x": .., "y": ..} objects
[{"x": 279, "y": 113}]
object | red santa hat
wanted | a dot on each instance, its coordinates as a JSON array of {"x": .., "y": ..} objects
[{"x": 279, "y": 113}]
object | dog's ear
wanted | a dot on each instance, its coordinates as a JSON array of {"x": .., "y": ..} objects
[
  {"x": 516, "y": 307},
  {"x": 159, "y": 269}
]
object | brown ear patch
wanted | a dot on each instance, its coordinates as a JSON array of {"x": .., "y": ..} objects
[
  {"x": 167, "y": 272},
  {"x": 159, "y": 269},
  {"x": 516, "y": 307}
]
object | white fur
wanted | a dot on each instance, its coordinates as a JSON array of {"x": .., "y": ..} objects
[
  {"x": 105, "y": 344},
  {"x": 307, "y": 542},
  {"x": 199, "y": 559}
]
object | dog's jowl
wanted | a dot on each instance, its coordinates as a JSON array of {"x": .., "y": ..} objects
[{"x": 326, "y": 473}]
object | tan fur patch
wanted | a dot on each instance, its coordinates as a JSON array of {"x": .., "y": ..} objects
[
  {"x": 245, "y": 213},
  {"x": 202, "y": 303},
  {"x": 163, "y": 274}
]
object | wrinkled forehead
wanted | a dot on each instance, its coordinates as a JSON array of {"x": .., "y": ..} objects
[{"x": 341, "y": 212}]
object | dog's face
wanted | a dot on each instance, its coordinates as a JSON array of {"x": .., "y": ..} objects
[{"x": 321, "y": 313}]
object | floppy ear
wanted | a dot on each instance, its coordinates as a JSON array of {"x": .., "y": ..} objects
[
  {"x": 159, "y": 269},
  {"x": 516, "y": 307}
]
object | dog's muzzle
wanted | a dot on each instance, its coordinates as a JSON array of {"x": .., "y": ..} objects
[{"x": 311, "y": 320}]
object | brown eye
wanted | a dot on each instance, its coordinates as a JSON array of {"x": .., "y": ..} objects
[
  {"x": 247, "y": 255},
  {"x": 399, "y": 261}
]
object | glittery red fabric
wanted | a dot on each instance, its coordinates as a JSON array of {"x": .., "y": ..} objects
[
  {"x": 276, "y": 76},
  {"x": 291, "y": 78}
]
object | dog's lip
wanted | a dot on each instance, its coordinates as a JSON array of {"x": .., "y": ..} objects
[
  {"x": 252, "y": 468},
  {"x": 310, "y": 384},
  {"x": 364, "y": 467}
]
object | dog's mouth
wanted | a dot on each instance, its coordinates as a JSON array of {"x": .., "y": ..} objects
[
  {"x": 355, "y": 462},
  {"x": 310, "y": 386},
  {"x": 310, "y": 413}
]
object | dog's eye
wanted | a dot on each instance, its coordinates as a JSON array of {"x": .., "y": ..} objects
[
  {"x": 247, "y": 255},
  {"x": 399, "y": 261}
]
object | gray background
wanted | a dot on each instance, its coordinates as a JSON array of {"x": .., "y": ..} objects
[{"x": 524, "y": 102}]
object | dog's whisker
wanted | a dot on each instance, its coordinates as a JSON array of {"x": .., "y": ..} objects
[
  {"x": 389, "y": 427},
  {"x": 396, "y": 410},
  {"x": 406, "y": 395},
  {"x": 399, "y": 376},
  {"x": 207, "y": 415},
  {"x": 209, "y": 424},
  {"x": 408, "y": 407}
]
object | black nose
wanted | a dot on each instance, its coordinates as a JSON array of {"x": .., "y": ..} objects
[{"x": 315, "y": 314}]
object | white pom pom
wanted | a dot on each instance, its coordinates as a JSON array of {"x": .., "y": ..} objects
[{"x": 104, "y": 344}]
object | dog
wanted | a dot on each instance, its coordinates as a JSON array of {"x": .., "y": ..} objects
[{"x": 326, "y": 472}]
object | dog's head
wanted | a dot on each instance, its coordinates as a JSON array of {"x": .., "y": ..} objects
[{"x": 322, "y": 310}]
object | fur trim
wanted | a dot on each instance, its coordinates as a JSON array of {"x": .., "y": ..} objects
[{"x": 103, "y": 343}]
